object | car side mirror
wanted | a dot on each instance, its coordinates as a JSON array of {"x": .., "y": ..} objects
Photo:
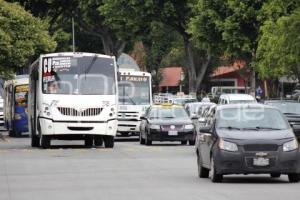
[
  {"x": 202, "y": 120},
  {"x": 143, "y": 117}
]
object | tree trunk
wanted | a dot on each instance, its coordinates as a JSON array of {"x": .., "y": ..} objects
[
  {"x": 191, "y": 65},
  {"x": 196, "y": 76}
]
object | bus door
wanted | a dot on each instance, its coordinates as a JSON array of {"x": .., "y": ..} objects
[{"x": 21, "y": 108}]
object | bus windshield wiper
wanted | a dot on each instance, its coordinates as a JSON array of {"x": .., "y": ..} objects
[
  {"x": 271, "y": 128},
  {"x": 230, "y": 127},
  {"x": 132, "y": 101}
]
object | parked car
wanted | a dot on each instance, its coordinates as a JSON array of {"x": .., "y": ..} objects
[
  {"x": 236, "y": 98},
  {"x": 291, "y": 109},
  {"x": 167, "y": 123},
  {"x": 204, "y": 115},
  {"x": 194, "y": 110},
  {"x": 247, "y": 139}
]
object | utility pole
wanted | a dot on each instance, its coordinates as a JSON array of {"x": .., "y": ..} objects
[{"x": 73, "y": 34}]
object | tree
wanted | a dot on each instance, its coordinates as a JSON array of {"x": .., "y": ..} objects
[
  {"x": 279, "y": 47},
  {"x": 22, "y": 37},
  {"x": 91, "y": 33},
  {"x": 134, "y": 17}
]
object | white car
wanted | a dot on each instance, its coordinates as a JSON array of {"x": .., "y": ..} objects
[{"x": 236, "y": 98}]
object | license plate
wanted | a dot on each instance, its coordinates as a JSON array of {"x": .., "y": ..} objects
[
  {"x": 261, "y": 161},
  {"x": 172, "y": 133}
]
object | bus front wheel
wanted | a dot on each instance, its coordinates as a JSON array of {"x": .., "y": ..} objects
[
  {"x": 45, "y": 141},
  {"x": 35, "y": 141},
  {"x": 108, "y": 141}
]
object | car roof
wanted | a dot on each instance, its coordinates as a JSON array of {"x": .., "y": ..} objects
[
  {"x": 233, "y": 97},
  {"x": 249, "y": 105}
]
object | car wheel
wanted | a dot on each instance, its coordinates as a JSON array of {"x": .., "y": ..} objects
[
  {"x": 142, "y": 140},
  {"x": 108, "y": 141},
  {"x": 275, "y": 175},
  {"x": 294, "y": 178},
  {"x": 88, "y": 141},
  {"x": 148, "y": 141},
  {"x": 98, "y": 140},
  {"x": 184, "y": 142},
  {"x": 202, "y": 172},
  {"x": 35, "y": 141},
  {"x": 45, "y": 141},
  {"x": 191, "y": 142},
  {"x": 215, "y": 178}
]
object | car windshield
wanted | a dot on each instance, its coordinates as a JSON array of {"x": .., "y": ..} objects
[
  {"x": 166, "y": 113},
  {"x": 251, "y": 118},
  {"x": 78, "y": 75},
  {"x": 286, "y": 107},
  {"x": 134, "y": 90}
]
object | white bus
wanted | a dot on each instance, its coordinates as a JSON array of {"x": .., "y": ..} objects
[
  {"x": 135, "y": 96},
  {"x": 73, "y": 96},
  {"x": 16, "y": 105}
]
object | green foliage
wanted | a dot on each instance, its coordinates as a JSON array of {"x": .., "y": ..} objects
[
  {"x": 279, "y": 47},
  {"x": 22, "y": 36}
]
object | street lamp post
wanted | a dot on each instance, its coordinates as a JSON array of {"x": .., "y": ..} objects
[{"x": 181, "y": 79}]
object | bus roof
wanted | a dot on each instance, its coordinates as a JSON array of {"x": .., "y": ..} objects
[{"x": 79, "y": 54}]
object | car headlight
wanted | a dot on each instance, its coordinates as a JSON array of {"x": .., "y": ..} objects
[
  {"x": 154, "y": 126},
  {"x": 189, "y": 126},
  {"x": 227, "y": 146},
  {"x": 291, "y": 145}
]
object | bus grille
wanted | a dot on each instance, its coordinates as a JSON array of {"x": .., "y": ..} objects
[{"x": 82, "y": 113}]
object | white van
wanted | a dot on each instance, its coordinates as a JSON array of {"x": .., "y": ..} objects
[{"x": 236, "y": 98}]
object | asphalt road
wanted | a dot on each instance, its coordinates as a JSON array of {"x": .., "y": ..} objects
[{"x": 129, "y": 171}]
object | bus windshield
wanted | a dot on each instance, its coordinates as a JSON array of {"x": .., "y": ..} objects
[
  {"x": 78, "y": 75},
  {"x": 134, "y": 90},
  {"x": 21, "y": 98}
]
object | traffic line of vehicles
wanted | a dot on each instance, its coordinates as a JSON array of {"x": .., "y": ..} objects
[{"x": 83, "y": 96}]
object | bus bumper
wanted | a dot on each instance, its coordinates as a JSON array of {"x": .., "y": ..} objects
[
  {"x": 50, "y": 127},
  {"x": 129, "y": 126}
]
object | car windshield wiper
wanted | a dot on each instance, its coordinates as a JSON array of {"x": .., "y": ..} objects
[
  {"x": 168, "y": 117},
  {"x": 230, "y": 127}
]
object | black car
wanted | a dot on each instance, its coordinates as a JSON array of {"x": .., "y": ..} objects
[
  {"x": 247, "y": 139},
  {"x": 291, "y": 109},
  {"x": 167, "y": 123}
]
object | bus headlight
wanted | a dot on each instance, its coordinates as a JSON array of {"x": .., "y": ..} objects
[
  {"x": 291, "y": 145},
  {"x": 46, "y": 110}
]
